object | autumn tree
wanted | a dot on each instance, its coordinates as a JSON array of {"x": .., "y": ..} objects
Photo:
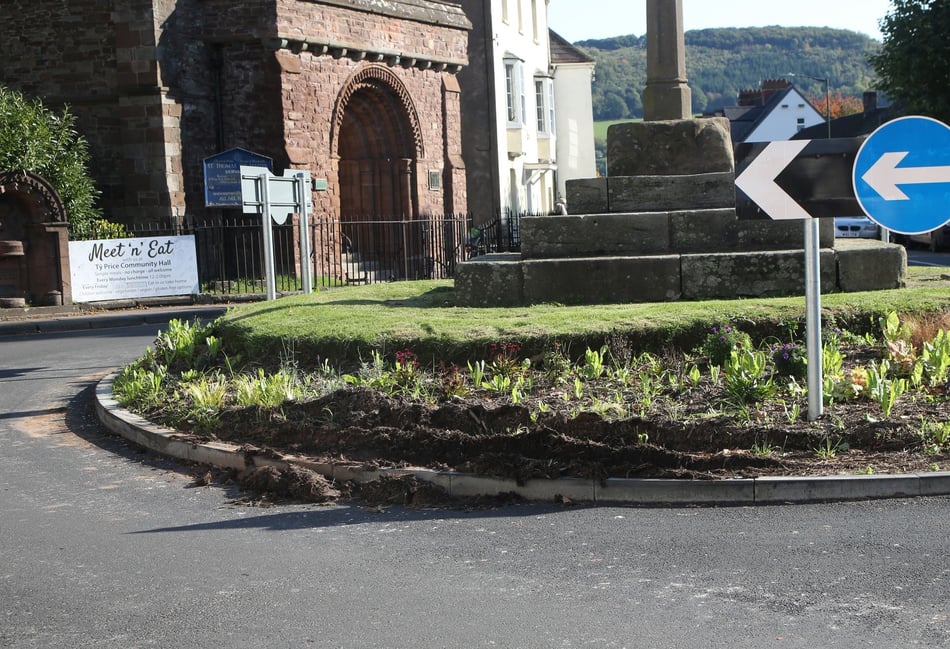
[
  {"x": 913, "y": 65},
  {"x": 841, "y": 105}
]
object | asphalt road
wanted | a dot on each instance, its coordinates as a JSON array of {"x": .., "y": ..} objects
[{"x": 104, "y": 546}]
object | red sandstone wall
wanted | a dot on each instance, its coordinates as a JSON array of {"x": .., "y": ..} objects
[{"x": 158, "y": 85}]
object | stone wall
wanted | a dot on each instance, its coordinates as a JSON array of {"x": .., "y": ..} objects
[{"x": 158, "y": 85}]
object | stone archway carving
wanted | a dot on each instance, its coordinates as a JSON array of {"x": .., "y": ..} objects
[
  {"x": 376, "y": 78},
  {"x": 44, "y": 202},
  {"x": 34, "y": 249}
]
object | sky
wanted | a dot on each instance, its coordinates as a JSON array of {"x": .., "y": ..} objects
[{"x": 578, "y": 20}]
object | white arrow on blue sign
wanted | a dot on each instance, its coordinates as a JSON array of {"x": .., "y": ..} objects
[{"x": 902, "y": 175}]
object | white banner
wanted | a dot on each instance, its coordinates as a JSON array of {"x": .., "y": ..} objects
[{"x": 116, "y": 269}]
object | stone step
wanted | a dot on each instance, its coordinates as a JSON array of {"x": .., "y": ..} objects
[
  {"x": 509, "y": 280},
  {"x": 657, "y": 233}
]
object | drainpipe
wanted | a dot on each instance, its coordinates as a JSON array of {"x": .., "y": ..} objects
[{"x": 217, "y": 64}]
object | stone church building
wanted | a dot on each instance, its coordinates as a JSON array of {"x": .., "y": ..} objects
[{"x": 361, "y": 93}]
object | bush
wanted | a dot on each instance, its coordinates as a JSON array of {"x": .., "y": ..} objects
[{"x": 39, "y": 141}]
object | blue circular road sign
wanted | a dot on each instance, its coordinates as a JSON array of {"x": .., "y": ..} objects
[{"x": 902, "y": 175}]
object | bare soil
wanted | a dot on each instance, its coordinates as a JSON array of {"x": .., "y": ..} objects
[{"x": 498, "y": 438}]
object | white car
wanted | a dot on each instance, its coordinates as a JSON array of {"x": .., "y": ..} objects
[{"x": 856, "y": 227}]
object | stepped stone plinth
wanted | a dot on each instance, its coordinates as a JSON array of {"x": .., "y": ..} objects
[{"x": 667, "y": 230}]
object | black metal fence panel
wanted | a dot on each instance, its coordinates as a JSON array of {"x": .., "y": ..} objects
[{"x": 344, "y": 251}]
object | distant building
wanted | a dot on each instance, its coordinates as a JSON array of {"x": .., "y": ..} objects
[
  {"x": 775, "y": 111},
  {"x": 522, "y": 92},
  {"x": 574, "y": 110}
]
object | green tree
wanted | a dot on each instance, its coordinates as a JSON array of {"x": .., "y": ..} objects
[
  {"x": 914, "y": 63},
  {"x": 35, "y": 139}
]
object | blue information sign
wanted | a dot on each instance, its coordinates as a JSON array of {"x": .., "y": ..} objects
[
  {"x": 223, "y": 175},
  {"x": 902, "y": 175}
]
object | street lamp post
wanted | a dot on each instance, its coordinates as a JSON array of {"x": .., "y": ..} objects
[{"x": 827, "y": 96}]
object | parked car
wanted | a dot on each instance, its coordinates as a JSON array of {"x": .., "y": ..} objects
[
  {"x": 936, "y": 240},
  {"x": 856, "y": 227}
]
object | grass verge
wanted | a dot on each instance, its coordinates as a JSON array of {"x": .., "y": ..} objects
[{"x": 346, "y": 325}]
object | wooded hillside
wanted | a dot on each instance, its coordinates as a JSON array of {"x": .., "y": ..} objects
[{"x": 721, "y": 62}]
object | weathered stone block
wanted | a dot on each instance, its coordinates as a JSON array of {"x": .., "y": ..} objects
[
  {"x": 587, "y": 196},
  {"x": 691, "y": 146},
  {"x": 602, "y": 280},
  {"x": 595, "y": 235},
  {"x": 758, "y": 274},
  {"x": 490, "y": 281},
  {"x": 868, "y": 265},
  {"x": 696, "y": 231},
  {"x": 656, "y": 193}
]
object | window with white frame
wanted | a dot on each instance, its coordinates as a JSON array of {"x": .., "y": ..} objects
[
  {"x": 514, "y": 92},
  {"x": 544, "y": 102}
]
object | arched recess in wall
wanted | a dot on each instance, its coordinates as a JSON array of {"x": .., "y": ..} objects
[{"x": 378, "y": 142}]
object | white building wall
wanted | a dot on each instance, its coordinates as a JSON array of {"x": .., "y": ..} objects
[
  {"x": 521, "y": 38},
  {"x": 783, "y": 122},
  {"x": 575, "y": 124}
]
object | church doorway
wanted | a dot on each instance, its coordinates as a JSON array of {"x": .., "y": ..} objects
[{"x": 378, "y": 146}]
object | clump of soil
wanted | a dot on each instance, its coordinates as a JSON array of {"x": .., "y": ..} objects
[{"x": 294, "y": 482}]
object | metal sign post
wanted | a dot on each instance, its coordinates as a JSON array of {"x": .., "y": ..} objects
[
  {"x": 813, "y": 342},
  {"x": 274, "y": 198}
]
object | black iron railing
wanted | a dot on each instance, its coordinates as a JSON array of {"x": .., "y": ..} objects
[{"x": 342, "y": 251}]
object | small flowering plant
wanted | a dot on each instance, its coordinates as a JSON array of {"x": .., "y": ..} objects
[
  {"x": 790, "y": 359},
  {"x": 452, "y": 382},
  {"x": 722, "y": 340},
  {"x": 503, "y": 358},
  {"x": 406, "y": 371}
]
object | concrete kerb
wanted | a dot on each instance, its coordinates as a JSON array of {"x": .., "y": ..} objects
[{"x": 633, "y": 491}]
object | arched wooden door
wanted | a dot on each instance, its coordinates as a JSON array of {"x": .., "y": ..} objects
[{"x": 378, "y": 146}]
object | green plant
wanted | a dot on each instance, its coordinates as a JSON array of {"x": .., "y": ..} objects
[
  {"x": 722, "y": 340},
  {"x": 556, "y": 364},
  {"x": 207, "y": 397},
  {"x": 762, "y": 449},
  {"x": 694, "y": 375},
  {"x": 747, "y": 376},
  {"x": 594, "y": 363},
  {"x": 140, "y": 387},
  {"x": 790, "y": 359},
  {"x": 935, "y": 435},
  {"x": 934, "y": 361},
  {"x": 883, "y": 390},
  {"x": 477, "y": 372},
  {"x": 451, "y": 382},
  {"x": 265, "y": 390},
  {"x": 829, "y": 449},
  {"x": 37, "y": 140},
  {"x": 794, "y": 413},
  {"x": 503, "y": 359}
]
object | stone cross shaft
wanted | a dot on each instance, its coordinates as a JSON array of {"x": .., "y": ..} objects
[{"x": 666, "y": 96}]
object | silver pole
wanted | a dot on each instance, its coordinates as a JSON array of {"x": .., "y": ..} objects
[
  {"x": 303, "y": 186},
  {"x": 813, "y": 318},
  {"x": 269, "y": 266}
]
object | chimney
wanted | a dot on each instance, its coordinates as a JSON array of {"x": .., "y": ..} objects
[{"x": 870, "y": 101}]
